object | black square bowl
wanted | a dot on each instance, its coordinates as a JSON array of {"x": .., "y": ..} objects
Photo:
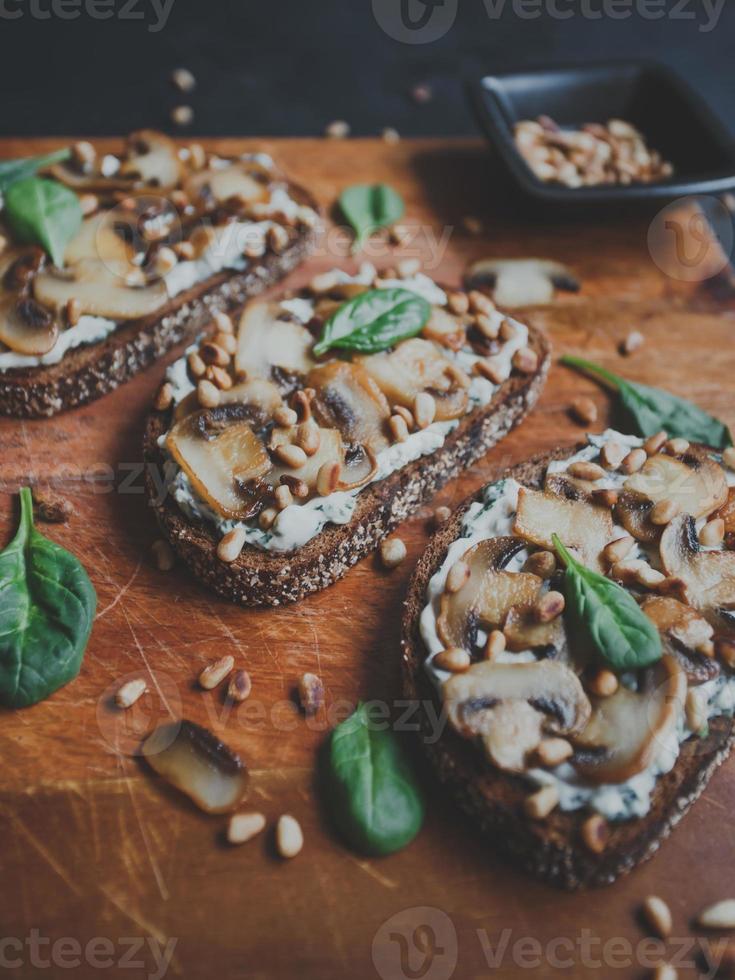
[{"x": 673, "y": 119}]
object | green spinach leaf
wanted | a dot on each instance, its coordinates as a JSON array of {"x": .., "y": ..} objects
[
  {"x": 43, "y": 212},
  {"x": 606, "y": 617},
  {"x": 647, "y": 410},
  {"x": 373, "y": 795},
  {"x": 368, "y": 207},
  {"x": 47, "y": 605},
  {"x": 13, "y": 170},
  {"x": 374, "y": 321}
]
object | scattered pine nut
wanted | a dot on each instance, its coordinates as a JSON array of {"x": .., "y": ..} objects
[
  {"x": 616, "y": 550},
  {"x": 390, "y": 135},
  {"x": 88, "y": 203},
  {"x": 276, "y": 238},
  {"x": 457, "y": 576},
  {"x": 130, "y": 692},
  {"x": 506, "y": 330},
  {"x": 211, "y": 353},
  {"x": 634, "y": 460},
  {"x": 676, "y": 446},
  {"x": 490, "y": 368},
  {"x": 665, "y": 971},
  {"x": 165, "y": 259},
  {"x": 239, "y": 686},
  {"x": 408, "y": 267},
  {"x": 612, "y": 455},
  {"x": 197, "y": 367},
  {"x": 219, "y": 376},
  {"x": 73, "y": 312},
  {"x": 267, "y": 518},
  {"x": 164, "y": 397},
  {"x": 595, "y": 833},
  {"x": 458, "y": 303},
  {"x": 289, "y": 836},
  {"x": 584, "y": 470},
  {"x": 398, "y": 428},
  {"x": 525, "y": 360},
  {"x": 584, "y": 410},
  {"x": 632, "y": 342},
  {"x": 290, "y": 455},
  {"x": 603, "y": 683},
  {"x": 654, "y": 443},
  {"x": 299, "y": 488},
  {"x": 208, "y": 394},
  {"x": 285, "y": 417},
  {"x": 231, "y": 544},
  {"x": 327, "y": 478},
  {"x": 424, "y": 409},
  {"x": 182, "y": 115},
  {"x": 223, "y": 322},
  {"x": 454, "y": 659},
  {"x": 399, "y": 235},
  {"x": 487, "y": 326},
  {"x": 728, "y": 457},
  {"x": 284, "y": 497},
  {"x": 215, "y": 672},
  {"x": 479, "y": 302},
  {"x": 696, "y": 710},
  {"x": 649, "y": 578},
  {"x": 721, "y": 915},
  {"x": 553, "y": 751},
  {"x": 712, "y": 533},
  {"x": 311, "y": 694},
  {"x": 541, "y": 563},
  {"x": 539, "y": 805},
  {"x": 227, "y": 342},
  {"x": 308, "y": 437},
  {"x": 472, "y": 224},
  {"x": 242, "y": 827},
  {"x": 183, "y": 79},
  {"x": 658, "y": 916},
  {"x": 337, "y": 130},
  {"x": 549, "y": 607},
  {"x": 392, "y": 552},
  {"x": 664, "y": 512},
  {"x": 323, "y": 282},
  {"x": 405, "y": 414},
  {"x": 164, "y": 555},
  {"x": 495, "y": 644}
]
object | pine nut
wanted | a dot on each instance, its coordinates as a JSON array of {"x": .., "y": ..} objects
[
  {"x": 164, "y": 261},
  {"x": 240, "y": 686},
  {"x": 583, "y": 470},
  {"x": 541, "y": 563},
  {"x": 479, "y": 302},
  {"x": 267, "y": 518},
  {"x": 616, "y": 550},
  {"x": 398, "y": 234},
  {"x": 441, "y": 515},
  {"x": 495, "y": 644},
  {"x": 208, "y": 394},
  {"x": 525, "y": 360},
  {"x": 405, "y": 414},
  {"x": 130, "y": 692},
  {"x": 632, "y": 342},
  {"x": 392, "y": 552},
  {"x": 595, "y": 833},
  {"x": 540, "y": 804},
  {"x": 164, "y": 397},
  {"x": 276, "y": 238},
  {"x": 73, "y": 312},
  {"x": 164, "y": 555},
  {"x": 649, "y": 578},
  {"x": 84, "y": 154},
  {"x": 398, "y": 428},
  {"x": 328, "y": 478},
  {"x": 658, "y": 916},
  {"x": 424, "y": 409},
  {"x": 244, "y": 826},
  {"x": 311, "y": 694},
  {"x": 231, "y": 544},
  {"x": 627, "y": 570},
  {"x": 88, "y": 203},
  {"x": 677, "y": 446},
  {"x": 454, "y": 659},
  {"x": 223, "y": 322},
  {"x": 408, "y": 267},
  {"x": 285, "y": 417},
  {"x": 458, "y": 574},
  {"x": 182, "y": 115},
  {"x": 215, "y": 672},
  {"x": 289, "y": 836},
  {"x": 487, "y": 325},
  {"x": 549, "y": 607},
  {"x": 634, "y": 460},
  {"x": 210, "y": 353},
  {"x": 197, "y": 367},
  {"x": 706, "y": 648},
  {"x": 664, "y": 512},
  {"x": 612, "y": 455},
  {"x": 506, "y": 331},
  {"x": 290, "y": 455},
  {"x": 184, "y": 250},
  {"x": 470, "y": 222},
  {"x": 308, "y": 437},
  {"x": 492, "y": 369},
  {"x": 284, "y": 497},
  {"x": 323, "y": 282},
  {"x": 458, "y": 303},
  {"x": 218, "y": 376},
  {"x": 606, "y": 498},
  {"x": 696, "y": 710},
  {"x": 603, "y": 683},
  {"x": 553, "y": 751},
  {"x": 728, "y": 457},
  {"x": 226, "y": 341},
  {"x": 712, "y": 533},
  {"x": 653, "y": 443},
  {"x": 299, "y": 488},
  {"x": 665, "y": 971},
  {"x": 721, "y": 915},
  {"x": 584, "y": 410}
]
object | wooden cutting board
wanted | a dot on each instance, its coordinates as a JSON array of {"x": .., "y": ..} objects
[{"x": 93, "y": 848}]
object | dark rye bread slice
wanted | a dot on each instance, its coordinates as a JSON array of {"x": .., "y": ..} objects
[
  {"x": 551, "y": 849},
  {"x": 86, "y": 373},
  {"x": 263, "y": 578}
]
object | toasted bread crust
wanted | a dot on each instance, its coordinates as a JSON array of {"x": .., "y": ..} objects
[
  {"x": 552, "y": 849},
  {"x": 86, "y": 373},
  {"x": 262, "y": 578}
]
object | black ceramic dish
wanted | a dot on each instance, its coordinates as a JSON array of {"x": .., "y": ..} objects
[{"x": 673, "y": 118}]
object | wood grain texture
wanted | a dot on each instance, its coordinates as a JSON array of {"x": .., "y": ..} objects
[{"x": 91, "y": 845}]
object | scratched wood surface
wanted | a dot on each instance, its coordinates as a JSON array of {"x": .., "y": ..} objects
[{"x": 94, "y": 850}]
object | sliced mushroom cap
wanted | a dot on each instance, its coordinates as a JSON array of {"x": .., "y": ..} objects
[
  {"x": 487, "y": 595},
  {"x": 684, "y": 633},
  {"x": 26, "y": 327},
  {"x": 268, "y": 337},
  {"x": 100, "y": 289},
  {"x": 222, "y": 457},
  {"x": 242, "y": 179},
  {"x": 569, "y": 487},
  {"x": 693, "y": 480},
  {"x": 524, "y": 631},
  {"x": 348, "y": 399},
  {"x": 633, "y": 511},
  {"x": 521, "y": 282},
  {"x": 98, "y": 238},
  {"x": 152, "y": 160},
  {"x": 628, "y": 730},
  {"x": 511, "y": 706},
  {"x": 582, "y": 526},
  {"x": 708, "y": 576},
  {"x": 727, "y": 514},
  {"x": 257, "y": 393},
  {"x": 445, "y": 328},
  {"x": 418, "y": 365}
]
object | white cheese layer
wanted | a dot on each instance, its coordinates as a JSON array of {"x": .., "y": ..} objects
[
  {"x": 494, "y": 517},
  {"x": 299, "y": 523}
]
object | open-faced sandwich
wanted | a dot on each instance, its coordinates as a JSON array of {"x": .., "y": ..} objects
[
  {"x": 294, "y": 444},
  {"x": 107, "y": 261},
  {"x": 575, "y": 621}
]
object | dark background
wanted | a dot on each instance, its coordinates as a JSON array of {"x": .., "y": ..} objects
[{"x": 289, "y": 67}]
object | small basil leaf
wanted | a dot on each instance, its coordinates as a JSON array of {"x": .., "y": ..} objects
[
  {"x": 43, "y": 212},
  {"x": 374, "y": 321},
  {"x": 13, "y": 170},
  {"x": 47, "y": 606},
  {"x": 605, "y": 617},
  {"x": 368, "y": 207},
  {"x": 374, "y": 798},
  {"x": 647, "y": 410}
]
